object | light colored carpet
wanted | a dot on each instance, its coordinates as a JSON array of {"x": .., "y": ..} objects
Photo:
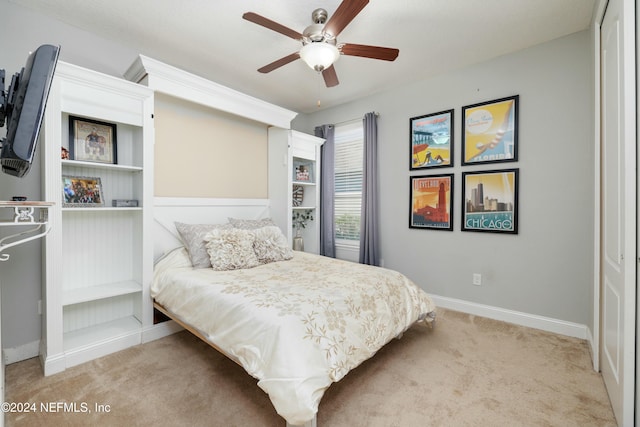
[{"x": 466, "y": 371}]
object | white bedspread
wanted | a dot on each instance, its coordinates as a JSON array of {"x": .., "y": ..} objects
[{"x": 297, "y": 325}]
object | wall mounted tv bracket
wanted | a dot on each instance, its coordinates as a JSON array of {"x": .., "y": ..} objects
[
  {"x": 2, "y": 98},
  {"x": 7, "y": 99}
]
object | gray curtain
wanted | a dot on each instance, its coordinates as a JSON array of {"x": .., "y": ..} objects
[
  {"x": 369, "y": 213},
  {"x": 327, "y": 189}
]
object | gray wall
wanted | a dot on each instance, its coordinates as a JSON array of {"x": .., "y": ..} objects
[{"x": 547, "y": 269}]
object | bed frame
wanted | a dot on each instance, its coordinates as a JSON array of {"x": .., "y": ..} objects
[{"x": 168, "y": 210}]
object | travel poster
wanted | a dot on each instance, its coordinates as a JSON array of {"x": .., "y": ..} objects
[
  {"x": 490, "y": 132},
  {"x": 431, "y": 198},
  {"x": 431, "y": 140},
  {"x": 490, "y": 201}
]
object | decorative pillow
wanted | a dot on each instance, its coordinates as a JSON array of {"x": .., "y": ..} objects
[
  {"x": 231, "y": 249},
  {"x": 271, "y": 245},
  {"x": 192, "y": 236},
  {"x": 250, "y": 224}
]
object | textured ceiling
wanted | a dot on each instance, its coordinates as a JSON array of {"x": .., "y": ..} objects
[{"x": 210, "y": 38}]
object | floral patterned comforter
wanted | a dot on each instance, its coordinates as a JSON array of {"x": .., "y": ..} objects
[{"x": 296, "y": 325}]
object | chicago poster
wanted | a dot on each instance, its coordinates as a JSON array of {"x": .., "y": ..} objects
[{"x": 490, "y": 201}]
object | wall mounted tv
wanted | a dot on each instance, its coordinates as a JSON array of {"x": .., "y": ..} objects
[{"x": 23, "y": 105}]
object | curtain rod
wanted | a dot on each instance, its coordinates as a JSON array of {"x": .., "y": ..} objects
[{"x": 353, "y": 120}]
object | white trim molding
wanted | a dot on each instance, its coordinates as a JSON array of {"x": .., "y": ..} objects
[
  {"x": 173, "y": 81},
  {"x": 21, "y": 352},
  {"x": 548, "y": 324}
]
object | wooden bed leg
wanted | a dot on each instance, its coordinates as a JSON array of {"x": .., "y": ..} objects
[{"x": 310, "y": 423}]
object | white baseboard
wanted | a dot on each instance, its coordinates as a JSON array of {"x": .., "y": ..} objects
[
  {"x": 160, "y": 330},
  {"x": 21, "y": 352},
  {"x": 101, "y": 348},
  {"x": 561, "y": 327},
  {"x": 52, "y": 364}
]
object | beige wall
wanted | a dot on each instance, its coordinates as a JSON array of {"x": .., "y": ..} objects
[{"x": 202, "y": 152}]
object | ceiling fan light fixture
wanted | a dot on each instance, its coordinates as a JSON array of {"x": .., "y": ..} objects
[{"x": 320, "y": 55}]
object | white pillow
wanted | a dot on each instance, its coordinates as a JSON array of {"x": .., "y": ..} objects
[
  {"x": 250, "y": 224},
  {"x": 231, "y": 249},
  {"x": 271, "y": 245}
]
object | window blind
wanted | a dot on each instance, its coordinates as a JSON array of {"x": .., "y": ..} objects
[{"x": 348, "y": 182}]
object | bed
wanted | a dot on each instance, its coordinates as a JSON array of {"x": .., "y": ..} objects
[{"x": 295, "y": 321}]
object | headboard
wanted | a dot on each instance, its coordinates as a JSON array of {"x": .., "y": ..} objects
[{"x": 167, "y": 210}]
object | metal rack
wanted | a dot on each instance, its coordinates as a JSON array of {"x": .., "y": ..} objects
[{"x": 24, "y": 213}]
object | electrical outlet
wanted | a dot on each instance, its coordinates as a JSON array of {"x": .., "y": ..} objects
[
  {"x": 477, "y": 279},
  {"x": 39, "y": 306}
]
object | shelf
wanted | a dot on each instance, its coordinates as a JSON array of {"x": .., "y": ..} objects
[
  {"x": 303, "y": 183},
  {"x": 4, "y": 223},
  {"x": 92, "y": 293},
  {"x": 303, "y": 208},
  {"x": 139, "y": 208},
  {"x": 101, "y": 332},
  {"x": 24, "y": 212},
  {"x": 26, "y": 204},
  {"x": 96, "y": 165}
]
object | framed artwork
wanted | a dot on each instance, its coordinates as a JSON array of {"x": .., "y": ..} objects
[
  {"x": 490, "y": 201},
  {"x": 431, "y": 140},
  {"x": 81, "y": 192},
  {"x": 431, "y": 200},
  {"x": 303, "y": 171},
  {"x": 490, "y": 131},
  {"x": 92, "y": 141}
]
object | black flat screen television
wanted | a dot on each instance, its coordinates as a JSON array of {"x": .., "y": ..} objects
[{"x": 23, "y": 107}]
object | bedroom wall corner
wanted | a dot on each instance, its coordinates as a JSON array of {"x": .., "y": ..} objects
[{"x": 547, "y": 268}]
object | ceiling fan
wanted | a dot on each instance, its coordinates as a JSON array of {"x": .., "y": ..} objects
[{"x": 320, "y": 47}]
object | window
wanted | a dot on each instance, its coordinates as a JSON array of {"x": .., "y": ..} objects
[{"x": 348, "y": 182}]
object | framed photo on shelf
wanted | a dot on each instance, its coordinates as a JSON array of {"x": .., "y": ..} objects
[
  {"x": 431, "y": 140},
  {"x": 431, "y": 199},
  {"x": 303, "y": 171},
  {"x": 490, "y": 201},
  {"x": 81, "y": 192},
  {"x": 490, "y": 131},
  {"x": 92, "y": 141}
]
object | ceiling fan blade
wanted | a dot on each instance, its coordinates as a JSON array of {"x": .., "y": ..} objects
[
  {"x": 343, "y": 15},
  {"x": 330, "y": 77},
  {"x": 374, "y": 52},
  {"x": 279, "y": 63},
  {"x": 272, "y": 25}
]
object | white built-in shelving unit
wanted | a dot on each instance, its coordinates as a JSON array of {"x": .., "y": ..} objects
[
  {"x": 99, "y": 260},
  {"x": 288, "y": 150}
]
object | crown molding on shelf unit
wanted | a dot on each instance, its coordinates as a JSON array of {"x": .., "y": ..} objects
[
  {"x": 181, "y": 84},
  {"x": 85, "y": 90}
]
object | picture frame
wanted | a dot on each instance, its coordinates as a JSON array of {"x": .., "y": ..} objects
[
  {"x": 92, "y": 140},
  {"x": 303, "y": 171},
  {"x": 490, "y": 201},
  {"x": 81, "y": 192},
  {"x": 431, "y": 140},
  {"x": 431, "y": 202},
  {"x": 490, "y": 131}
]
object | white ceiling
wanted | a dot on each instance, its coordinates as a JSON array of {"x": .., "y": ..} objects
[{"x": 210, "y": 38}]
